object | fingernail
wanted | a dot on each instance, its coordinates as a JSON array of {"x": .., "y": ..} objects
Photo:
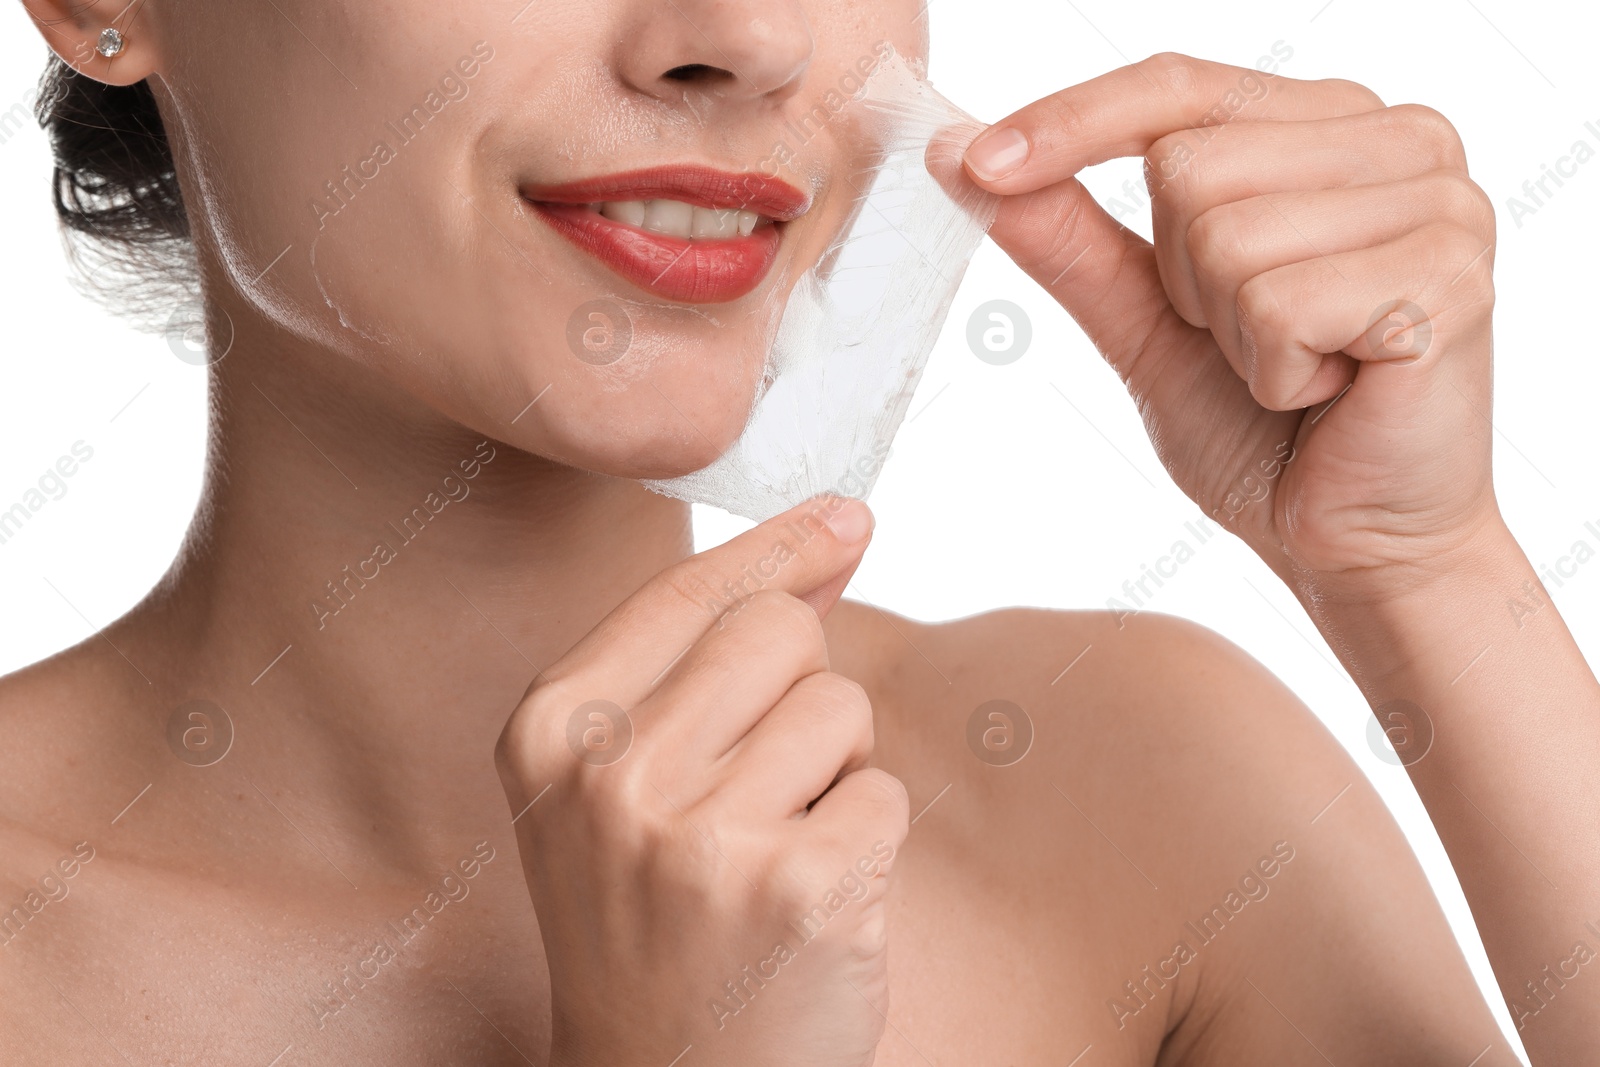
[
  {"x": 997, "y": 153},
  {"x": 851, "y": 522}
]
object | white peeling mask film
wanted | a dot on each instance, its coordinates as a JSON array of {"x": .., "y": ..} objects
[{"x": 857, "y": 329}]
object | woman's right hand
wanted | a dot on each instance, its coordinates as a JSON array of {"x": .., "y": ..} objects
[{"x": 706, "y": 849}]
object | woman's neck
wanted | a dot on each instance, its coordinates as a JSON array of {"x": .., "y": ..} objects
[{"x": 368, "y": 589}]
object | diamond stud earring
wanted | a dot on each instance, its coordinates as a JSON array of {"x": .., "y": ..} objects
[{"x": 110, "y": 42}]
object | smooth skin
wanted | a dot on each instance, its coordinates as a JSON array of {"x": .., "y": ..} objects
[{"x": 230, "y": 912}]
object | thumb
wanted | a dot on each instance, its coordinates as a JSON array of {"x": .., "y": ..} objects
[
  {"x": 809, "y": 552},
  {"x": 850, "y": 521},
  {"x": 826, "y": 595}
]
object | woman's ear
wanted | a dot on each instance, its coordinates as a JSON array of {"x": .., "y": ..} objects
[{"x": 81, "y": 32}]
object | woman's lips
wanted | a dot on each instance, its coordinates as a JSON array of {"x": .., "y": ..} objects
[
  {"x": 683, "y": 270},
  {"x": 675, "y": 266}
]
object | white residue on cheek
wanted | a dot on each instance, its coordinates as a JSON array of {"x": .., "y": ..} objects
[{"x": 338, "y": 309}]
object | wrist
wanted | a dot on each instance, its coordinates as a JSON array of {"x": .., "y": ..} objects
[
  {"x": 1482, "y": 552},
  {"x": 1399, "y": 618}
]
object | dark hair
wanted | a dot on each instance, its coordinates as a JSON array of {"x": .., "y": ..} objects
[{"x": 116, "y": 191}]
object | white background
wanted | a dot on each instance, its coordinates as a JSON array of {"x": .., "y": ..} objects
[{"x": 1000, "y": 491}]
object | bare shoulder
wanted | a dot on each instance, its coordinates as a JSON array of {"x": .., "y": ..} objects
[
  {"x": 61, "y": 722},
  {"x": 76, "y": 753},
  {"x": 1156, "y": 806},
  {"x": 74, "y": 735},
  {"x": 1087, "y": 692}
]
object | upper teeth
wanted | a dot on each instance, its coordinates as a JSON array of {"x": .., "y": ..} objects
[{"x": 674, "y": 218}]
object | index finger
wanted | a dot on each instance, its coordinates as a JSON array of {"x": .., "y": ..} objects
[
  {"x": 805, "y": 552},
  {"x": 1126, "y": 111}
]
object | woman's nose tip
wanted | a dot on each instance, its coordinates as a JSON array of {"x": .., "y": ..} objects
[
  {"x": 777, "y": 48},
  {"x": 750, "y": 48}
]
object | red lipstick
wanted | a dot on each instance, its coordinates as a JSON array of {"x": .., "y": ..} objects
[{"x": 674, "y": 267}]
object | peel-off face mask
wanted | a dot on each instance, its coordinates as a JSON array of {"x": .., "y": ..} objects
[{"x": 857, "y": 329}]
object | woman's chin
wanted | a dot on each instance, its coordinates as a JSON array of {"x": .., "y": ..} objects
[
  {"x": 652, "y": 450},
  {"x": 671, "y": 459},
  {"x": 663, "y": 427}
]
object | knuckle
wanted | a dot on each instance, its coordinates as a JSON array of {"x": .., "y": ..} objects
[
  {"x": 887, "y": 791},
  {"x": 1273, "y": 392},
  {"x": 792, "y": 617},
  {"x": 1433, "y": 130},
  {"x": 1260, "y": 301},
  {"x": 510, "y": 748},
  {"x": 1456, "y": 244},
  {"x": 522, "y": 742},
  {"x": 1463, "y": 259},
  {"x": 793, "y": 875},
  {"x": 1424, "y": 119},
  {"x": 870, "y": 936},
  {"x": 1353, "y": 94},
  {"x": 1463, "y": 199},
  {"x": 1217, "y": 238},
  {"x": 621, "y": 804},
  {"x": 693, "y": 582},
  {"x": 1179, "y": 74},
  {"x": 835, "y": 690},
  {"x": 1170, "y": 168},
  {"x": 841, "y": 699},
  {"x": 511, "y": 761},
  {"x": 1263, "y": 309}
]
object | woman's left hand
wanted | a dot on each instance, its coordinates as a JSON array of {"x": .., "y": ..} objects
[{"x": 1308, "y": 340}]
